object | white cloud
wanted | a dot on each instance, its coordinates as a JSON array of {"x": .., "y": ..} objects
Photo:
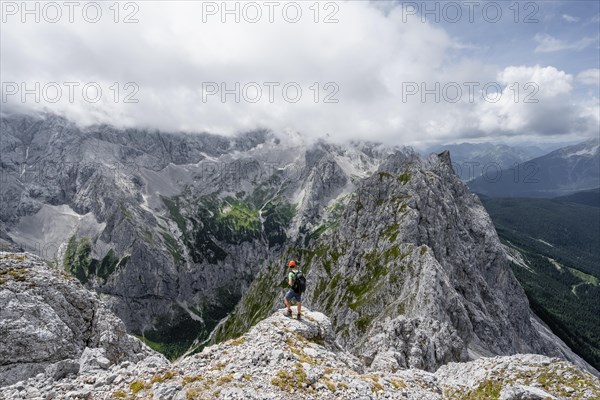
[
  {"x": 589, "y": 77},
  {"x": 551, "y": 81},
  {"x": 570, "y": 18},
  {"x": 545, "y": 107},
  {"x": 372, "y": 55},
  {"x": 549, "y": 44}
]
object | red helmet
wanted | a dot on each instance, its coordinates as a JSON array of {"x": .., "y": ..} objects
[{"x": 292, "y": 263}]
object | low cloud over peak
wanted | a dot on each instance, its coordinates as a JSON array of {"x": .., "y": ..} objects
[{"x": 350, "y": 70}]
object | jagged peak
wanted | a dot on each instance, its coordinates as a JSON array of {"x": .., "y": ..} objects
[
  {"x": 441, "y": 162},
  {"x": 444, "y": 157},
  {"x": 248, "y": 140},
  {"x": 400, "y": 160}
]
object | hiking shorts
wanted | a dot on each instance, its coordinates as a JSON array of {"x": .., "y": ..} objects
[{"x": 293, "y": 295}]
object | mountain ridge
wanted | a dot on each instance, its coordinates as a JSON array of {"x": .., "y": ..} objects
[
  {"x": 433, "y": 271},
  {"x": 470, "y": 160},
  {"x": 179, "y": 214},
  {"x": 561, "y": 172},
  {"x": 279, "y": 357}
]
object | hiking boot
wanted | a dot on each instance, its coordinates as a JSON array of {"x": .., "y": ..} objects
[
  {"x": 299, "y": 316},
  {"x": 288, "y": 313}
]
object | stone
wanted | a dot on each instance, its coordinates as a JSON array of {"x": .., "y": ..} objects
[
  {"x": 410, "y": 291},
  {"x": 522, "y": 392},
  {"x": 62, "y": 368},
  {"x": 93, "y": 359}
]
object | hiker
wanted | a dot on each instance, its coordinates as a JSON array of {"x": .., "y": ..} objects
[{"x": 297, "y": 283}]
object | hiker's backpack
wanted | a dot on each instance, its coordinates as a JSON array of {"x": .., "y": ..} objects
[{"x": 299, "y": 283}]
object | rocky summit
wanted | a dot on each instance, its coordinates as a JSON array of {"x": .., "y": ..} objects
[
  {"x": 412, "y": 274},
  {"x": 59, "y": 341}
]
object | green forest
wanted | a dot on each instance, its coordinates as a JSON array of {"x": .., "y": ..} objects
[{"x": 559, "y": 243}]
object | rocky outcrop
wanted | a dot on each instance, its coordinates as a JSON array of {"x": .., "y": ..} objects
[
  {"x": 411, "y": 273},
  {"x": 58, "y": 341},
  {"x": 402, "y": 343},
  {"x": 50, "y": 324},
  {"x": 171, "y": 228},
  {"x": 284, "y": 358}
]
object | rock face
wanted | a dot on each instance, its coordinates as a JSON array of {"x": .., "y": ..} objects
[
  {"x": 50, "y": 323},
  {"x": 281, "y": 357},
  {"x": 170, "y": 228},
  {"x": 411, "y": 273},
  {"x": 98, "y": 194}
]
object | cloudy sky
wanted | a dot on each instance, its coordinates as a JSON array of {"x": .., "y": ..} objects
[{"x": 397, "y": 72}]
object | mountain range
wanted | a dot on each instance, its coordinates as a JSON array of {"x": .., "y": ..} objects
[
  {"x": 470, "y": 160},
  {"x": 169, "y": 228},
  {"x": 562, "y": 172},
  {"x": 185, "y": 238}
]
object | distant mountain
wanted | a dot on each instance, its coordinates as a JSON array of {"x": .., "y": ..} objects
[
  {"x": 586, "y": 197},
  {"x": 469, "y": 160},
  {"x": 553, "y": 248},
  {"x": 559, "y": 173}
]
